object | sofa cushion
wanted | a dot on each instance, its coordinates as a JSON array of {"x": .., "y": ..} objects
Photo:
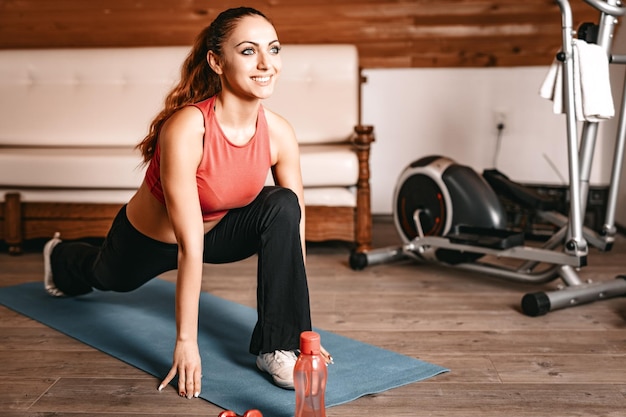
[
  {"x": 318, "y": 91},
  {"x": 318, "y": 196},
  {"x": 96, "y": 168},
  {"x": 121, "y": 167},
  {"x": 83, "y": 97},
  {"x": 330, "y": 196},
  {"x": 54, "y": 195},
  {"x": 328, "y": 165}
]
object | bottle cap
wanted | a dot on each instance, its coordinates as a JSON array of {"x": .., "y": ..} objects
[{"x": 309, "y": 343}]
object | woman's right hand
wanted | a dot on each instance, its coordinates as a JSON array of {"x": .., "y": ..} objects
[{"x": 187, "y": 365}]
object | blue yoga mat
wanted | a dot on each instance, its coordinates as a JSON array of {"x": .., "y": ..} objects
[{"x": 139, "y": 329}]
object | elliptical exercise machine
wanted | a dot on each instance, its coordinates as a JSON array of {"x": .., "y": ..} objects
[{"x": 447, "y": 213}]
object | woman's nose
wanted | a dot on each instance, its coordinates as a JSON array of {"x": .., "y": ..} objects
[{"x": 263, "y": 61}]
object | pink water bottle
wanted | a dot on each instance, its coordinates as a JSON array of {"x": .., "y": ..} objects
[{"x": 309, "y": 377}]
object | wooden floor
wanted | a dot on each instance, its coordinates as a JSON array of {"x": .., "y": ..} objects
[{"x": 568, "y": 363}]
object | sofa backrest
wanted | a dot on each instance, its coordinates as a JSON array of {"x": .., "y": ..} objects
[
  {"x": 83, "y": 97},
  {"x": 318, "y": 91},
  {"x": 109, "y": 96}
]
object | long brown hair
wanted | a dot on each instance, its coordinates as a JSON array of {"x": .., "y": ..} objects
[{"x": 197, "y": 80}]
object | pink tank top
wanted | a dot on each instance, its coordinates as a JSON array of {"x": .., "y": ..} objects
[{"x": 229, "y": 176}]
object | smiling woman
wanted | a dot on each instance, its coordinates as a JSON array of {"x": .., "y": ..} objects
[{"x": 203, "y": 200}]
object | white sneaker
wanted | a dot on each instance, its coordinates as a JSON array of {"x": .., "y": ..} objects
[
  {"x": 279, "y": 364},
  {"x": 47, "y": 274}
]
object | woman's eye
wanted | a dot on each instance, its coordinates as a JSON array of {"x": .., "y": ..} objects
[
  {"x": 248, "y": 51},
  {"x": 275, "y": 50}
]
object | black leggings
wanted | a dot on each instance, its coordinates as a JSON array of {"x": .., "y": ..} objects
[{"x": 269, "y": 227}]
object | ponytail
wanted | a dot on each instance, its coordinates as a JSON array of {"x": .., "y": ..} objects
[{"x": 198, "y": 81}]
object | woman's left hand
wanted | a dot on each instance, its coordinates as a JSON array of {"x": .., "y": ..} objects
[
  {"x": 187, "y": 365},
  {"x": 327, "y": 358}
]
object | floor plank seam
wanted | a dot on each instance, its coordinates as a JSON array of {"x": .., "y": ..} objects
[
  {"x": 495, "y": 368},
  {"x": 55, "y": 382}
]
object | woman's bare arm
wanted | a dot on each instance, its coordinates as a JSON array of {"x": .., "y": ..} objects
[{"x": 181, "y": 152}]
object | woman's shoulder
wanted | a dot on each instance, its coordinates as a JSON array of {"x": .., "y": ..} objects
[
  {"x": 204, "y": 105},
  {"x": 277, "y": 124},
  {"x": 185, "y": 121}
]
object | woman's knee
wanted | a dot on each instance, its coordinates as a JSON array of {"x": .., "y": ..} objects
[{"x": 284, "y": 202}]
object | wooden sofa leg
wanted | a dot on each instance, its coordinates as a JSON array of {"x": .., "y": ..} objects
[
  {"x": 13, "y": 223},
  {"x": 363, "y": 229}
]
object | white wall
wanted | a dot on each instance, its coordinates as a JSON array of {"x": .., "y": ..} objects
[{"x": 451, "y": 112}]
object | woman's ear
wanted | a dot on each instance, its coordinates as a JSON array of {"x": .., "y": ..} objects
[{"x": 214, "y": 62}]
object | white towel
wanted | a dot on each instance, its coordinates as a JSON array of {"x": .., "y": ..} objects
[
  {"x": 592, "y": 87},
  {"x": 552, "y": 87}
]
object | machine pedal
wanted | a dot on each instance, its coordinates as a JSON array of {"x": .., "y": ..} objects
[{"x": 485, "y": 237}]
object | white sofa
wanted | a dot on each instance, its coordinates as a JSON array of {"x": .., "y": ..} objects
[{"x": 70, "y": 118}]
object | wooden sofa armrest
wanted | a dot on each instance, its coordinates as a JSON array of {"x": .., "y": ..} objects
[
  {"x": 11, "y": 214},
  {"x": 362, "y": 140}
]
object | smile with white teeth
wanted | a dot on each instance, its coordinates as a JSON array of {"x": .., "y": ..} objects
[{"x": 261, "y": 79}]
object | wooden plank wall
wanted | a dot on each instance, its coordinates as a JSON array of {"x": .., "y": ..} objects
[{"x": 389, "y": 34}]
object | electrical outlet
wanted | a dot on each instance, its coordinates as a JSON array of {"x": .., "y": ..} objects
[{"x": 499, "y": 119}]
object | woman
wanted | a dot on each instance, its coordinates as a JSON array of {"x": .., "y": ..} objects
[{"x": 203, "y": 200}]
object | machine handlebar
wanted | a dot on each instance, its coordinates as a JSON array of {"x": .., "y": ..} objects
[{"x": 604, "y": 7}]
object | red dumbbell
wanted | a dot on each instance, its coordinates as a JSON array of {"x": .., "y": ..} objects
[{"x": 249, "y": 413}]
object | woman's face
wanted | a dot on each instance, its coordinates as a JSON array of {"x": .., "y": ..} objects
[{"x": 250, "y": 61}]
